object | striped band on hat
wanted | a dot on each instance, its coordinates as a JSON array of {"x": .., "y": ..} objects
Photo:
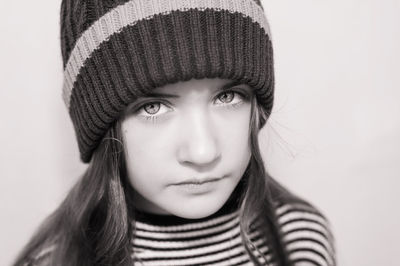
[
  {"x": 116, "y": 51},
  {"x": 134, "y": 11}
]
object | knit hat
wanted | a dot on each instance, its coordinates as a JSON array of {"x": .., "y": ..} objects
[{"x": 115, "y": 51}]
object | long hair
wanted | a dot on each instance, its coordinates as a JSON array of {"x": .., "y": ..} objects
[
  {"x": 94, "y": 224},
  {"x": 262, "y": 194}
]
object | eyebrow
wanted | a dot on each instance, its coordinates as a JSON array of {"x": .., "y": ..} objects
[{"x": 166, "y": 95}]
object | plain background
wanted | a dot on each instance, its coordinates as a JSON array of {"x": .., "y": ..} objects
[{"x": 334, "y": 136}]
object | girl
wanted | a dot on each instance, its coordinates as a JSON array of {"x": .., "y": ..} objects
[{"x": 167, "y": 99}]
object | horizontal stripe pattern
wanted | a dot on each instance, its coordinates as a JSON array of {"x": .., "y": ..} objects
[
  {"x": 189, "y": 234},
  {"x": 132, "y": 12},
  {"x": 217, "y": 241},
  {"x": 306, "y": 234},
  {"x": 186, "y": 227}
]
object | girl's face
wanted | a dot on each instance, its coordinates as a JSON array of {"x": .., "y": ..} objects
[{"x": 187, "y": 146}]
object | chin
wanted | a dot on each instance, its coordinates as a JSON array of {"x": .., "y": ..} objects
[
  {"x": 199, "y": 208},
  {"x": 196, "y": 214}
]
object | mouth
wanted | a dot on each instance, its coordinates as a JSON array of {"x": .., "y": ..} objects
[
  {"x": 198, "y": 186},
  {"x": 198, "y": 181}
]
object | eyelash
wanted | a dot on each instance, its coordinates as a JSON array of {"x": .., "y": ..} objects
[{"x": 244, "y": 96}]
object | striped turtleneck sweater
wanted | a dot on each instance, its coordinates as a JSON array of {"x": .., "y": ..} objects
[{"x": 168, "y": 240}]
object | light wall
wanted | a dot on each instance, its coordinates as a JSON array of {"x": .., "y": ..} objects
[{"x": 333, "y": 136}]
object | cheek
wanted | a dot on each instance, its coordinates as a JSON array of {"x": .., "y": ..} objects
[
  {"x": 143, "y": 144},
  {"x": 145, "y": 153},
  {"x": 235, "y": 139}
]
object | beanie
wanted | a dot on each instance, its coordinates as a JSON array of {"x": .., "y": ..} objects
[{"x": 115, "y": 51}]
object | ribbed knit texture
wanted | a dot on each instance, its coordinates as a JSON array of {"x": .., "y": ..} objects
[
  {"x": 172, "y": 241},
  {"x": 116, "y": 51}
]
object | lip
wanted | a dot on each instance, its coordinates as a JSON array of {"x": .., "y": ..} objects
[
  {"x": 198, "y": 181},
  {"x": 197, "y": 186}
]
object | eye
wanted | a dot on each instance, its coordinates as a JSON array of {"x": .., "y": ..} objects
[
  {"x": 153, "y": 109},
  {"x": 230, "y": 98},
  {"x": 226, "y": 97}
]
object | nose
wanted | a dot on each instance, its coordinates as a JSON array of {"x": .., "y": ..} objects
[{"x": 199, "y": 147}]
